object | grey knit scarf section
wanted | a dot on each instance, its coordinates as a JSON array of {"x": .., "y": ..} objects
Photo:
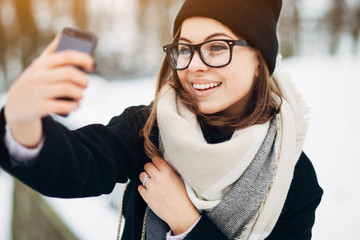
[{"x": 241, "y": 204}]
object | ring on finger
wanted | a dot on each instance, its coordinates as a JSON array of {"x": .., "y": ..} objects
[{"x": 145, "y": 179}]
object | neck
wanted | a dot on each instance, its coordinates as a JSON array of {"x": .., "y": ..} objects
[{"x": 225, "y": 129}]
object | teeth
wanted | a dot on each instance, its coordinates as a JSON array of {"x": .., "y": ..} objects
[{"x": 205, "y": 85}]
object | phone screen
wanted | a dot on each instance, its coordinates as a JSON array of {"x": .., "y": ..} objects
[
  {"x": 76, "y": 39},
  {"x": 69, "y": 42}
]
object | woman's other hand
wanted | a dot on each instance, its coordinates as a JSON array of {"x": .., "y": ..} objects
[
  {"x": 35, "y": 93},
  {"x": 166, "y": 195}
]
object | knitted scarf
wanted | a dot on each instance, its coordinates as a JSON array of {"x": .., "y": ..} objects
[{"x": 241, "y": 184}]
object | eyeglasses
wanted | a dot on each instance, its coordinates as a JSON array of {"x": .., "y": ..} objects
[{"x": 214, "y": 53}]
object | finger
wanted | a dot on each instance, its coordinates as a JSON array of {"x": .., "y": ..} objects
[
  {"x": 151, "y": 170},
  {"x": 69, "y": 57},
  {"x": 50, "y": 49},
  {"x": 58, "y": 107},
  {"x": 142, "y": 190},
  {"x": 142, "y": 176},
  {"x": 66, "y": 89},
  {"x": 68, "y": 73},
  {"x": 160, "y": 163}
]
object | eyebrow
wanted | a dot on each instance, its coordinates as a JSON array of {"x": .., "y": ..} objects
[{"x": 207, "y": 38}]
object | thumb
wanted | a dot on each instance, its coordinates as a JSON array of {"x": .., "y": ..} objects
[{"x": 50, "y": 49}]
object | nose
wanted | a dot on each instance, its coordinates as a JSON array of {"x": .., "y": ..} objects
[{"x": 197, "y": 64}]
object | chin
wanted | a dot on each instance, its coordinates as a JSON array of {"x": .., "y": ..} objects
[{"x": 208, "y": 110}]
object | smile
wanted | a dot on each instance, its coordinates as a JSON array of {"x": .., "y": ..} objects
[{"x": 205, "y": 86}]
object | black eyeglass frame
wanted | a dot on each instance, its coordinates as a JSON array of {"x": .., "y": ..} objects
[{"x": 197, "y": 47}]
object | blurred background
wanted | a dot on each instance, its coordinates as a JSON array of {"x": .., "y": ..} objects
[{"x": 320, "y": 45}]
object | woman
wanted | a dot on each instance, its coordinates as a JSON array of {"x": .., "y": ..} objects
[{"x": 218, "y": 155}]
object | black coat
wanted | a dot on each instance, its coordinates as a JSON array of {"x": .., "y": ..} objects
[{"x": 91, "y": 160}]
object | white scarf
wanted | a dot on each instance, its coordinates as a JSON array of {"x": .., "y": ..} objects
[{"x": 210, "y": 170}]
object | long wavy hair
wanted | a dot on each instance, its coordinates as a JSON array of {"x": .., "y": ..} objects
[{"x": 264, "y": 102}]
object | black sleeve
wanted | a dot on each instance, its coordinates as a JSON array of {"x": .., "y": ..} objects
[
  {"x": 85, "y": 162},
  {"x": 205, "y": 229},
  {"x": 298, "y": 215}
]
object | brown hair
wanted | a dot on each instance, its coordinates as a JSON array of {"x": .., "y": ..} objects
[{"x": 263, "y": 104}]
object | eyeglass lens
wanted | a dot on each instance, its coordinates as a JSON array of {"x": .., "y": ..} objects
[{"x": 214, "y": 53}]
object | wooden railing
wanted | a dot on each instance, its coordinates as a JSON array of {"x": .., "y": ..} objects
[{"x": 33, "y": 219}]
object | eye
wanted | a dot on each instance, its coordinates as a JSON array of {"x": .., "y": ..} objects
[
  {"x": 184, "y": 50},
  {"x": 218, "y": 47},
  {"x": 215, "y": 48}
]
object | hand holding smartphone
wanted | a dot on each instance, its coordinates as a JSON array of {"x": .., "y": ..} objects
[{"x": 79, "y": 40}]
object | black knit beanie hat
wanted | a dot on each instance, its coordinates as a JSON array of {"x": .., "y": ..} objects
[{"x": 253, "y": 20}]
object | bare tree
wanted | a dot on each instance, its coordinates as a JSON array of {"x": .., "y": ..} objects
[
  {"x": 3, "y": 47},
  {"x": 355, "y": 30},
  {"x": 80, "y": 14},
  {"x": 154, "y": 27},
  {"x": 289, "y": 28},
  {"x": 29, "y": 35},
  {"x": 336, "y": 19}
]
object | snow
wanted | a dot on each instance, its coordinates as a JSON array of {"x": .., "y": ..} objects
[
  {"x": 89, "y": 218},
  {"x": 103, "y": 99},
  {"x": 330, "y": 86}
]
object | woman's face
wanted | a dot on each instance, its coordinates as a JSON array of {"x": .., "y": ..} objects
[{"x": 231, "y": 84}]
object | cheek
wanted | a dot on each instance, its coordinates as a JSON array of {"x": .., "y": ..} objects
[
  {"x": 241, "y": 80},
  {"x": 240, "y": 89},
  {"x": 244, "y": 72},
  {"x": 246, "y": 61}
]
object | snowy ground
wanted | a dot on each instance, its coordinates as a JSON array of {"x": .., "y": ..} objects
[{"x": 331, "y": 88}]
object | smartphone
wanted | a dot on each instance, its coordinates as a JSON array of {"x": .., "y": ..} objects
[{"x": 76, "y": 39}]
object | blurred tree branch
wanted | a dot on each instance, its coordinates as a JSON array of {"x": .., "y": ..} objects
[
  {"x": 28, "y": 32},
  {"x": 80, "y": 13},
  {"x": 3, "y": 47}
]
